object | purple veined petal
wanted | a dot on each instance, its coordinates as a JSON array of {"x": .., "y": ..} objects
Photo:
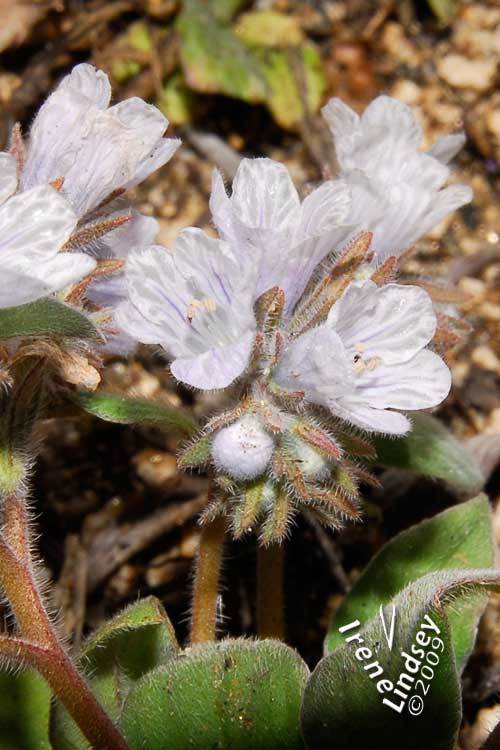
[
  {"x": 370, "y": 419},
  {"x": 216, "y": 368},
  {"x": 34, "y": 225},
  {"x": 90, "y": 83},
  {"x": 96, "y": 150},
  {"x": 264, "y": 195},
  {"x": 447, "y": 147},
  {"x": 324, "y": 209},
  {"x": 392, "y": 322},
  {"x": 130, "y": 321},
  {"x": 8, "y": 176},
  {"x": 302, "y": 260},
  {"x": 155, "y": 293},
  {"x": 197, "y": 301},
  {"x": 316, "y": 362},
  {"x": 421, "y": 383}
]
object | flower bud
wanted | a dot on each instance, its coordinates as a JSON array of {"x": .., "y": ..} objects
[
  {"x": 312, "y": 463},
  {"x": 243, "y": 449}
]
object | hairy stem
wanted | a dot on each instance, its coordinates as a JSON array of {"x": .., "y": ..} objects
[
  {"x": 42, "y": 647},
  {"x": 206, "y": 583},
  {"x": 270, "y": 593}
]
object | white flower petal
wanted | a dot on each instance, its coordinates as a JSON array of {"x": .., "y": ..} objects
[
  {"x": 93, "y": 84},
  {"x": 447, "y": 147},
  {"x": 324, "y": 209},
  {"x": 8, "y": 176},
  {"x": 445, "y": 202},
  {"x": 392, "y": 322},
  {"x": 396, "y": 188},
  {"x": 220, "y": 207},
  {"x": 265, "y": 221},
  {"x": 317, "y": 364},
  {"x": 372, "y": 420},
  {"x": 264, "y": 196},
  {"x": 421, "y": 383},
  {"x": 130, "y": 320},
  {"x": 344, "y": 124},
  {"x": 34, "y": 225},
  {"x": 199, "y": 302},
  {"x": 216, "y": 368},
  {"x": 158, "y": 157},
  {"x": 95, "y": 150},
  {"x": 27, "y": 281},
  {"x": 18, "y": 289}
]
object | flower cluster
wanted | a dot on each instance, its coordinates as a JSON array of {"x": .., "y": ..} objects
[
  {"x": 295, "y": 308},
  {"x": 63, "y": 227}
]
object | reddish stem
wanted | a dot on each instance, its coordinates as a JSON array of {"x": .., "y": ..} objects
[{"x": 42, "y": 647}]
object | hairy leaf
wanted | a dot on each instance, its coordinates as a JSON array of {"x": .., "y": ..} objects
[
  {"x": 24, "y": 712},
  {"x": 460, "y": 537},
  {"x": 123, "y": 650},
  {"x": 232, "y": 695},
  {"x": 123, "y": 410},
  {"x": 430, "y": 449},
  {"x": 45, "y": 317},
  {"x": 344, "y": 699}
]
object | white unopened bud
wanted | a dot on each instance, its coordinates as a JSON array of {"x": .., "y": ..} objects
[
  {"x": 243, "y": 449},
  {"x": 312, "y": 463}
]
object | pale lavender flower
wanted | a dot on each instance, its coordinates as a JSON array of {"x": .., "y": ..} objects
[
  {"x": 34, "y": 226},
  {"x": 265, "y": 219},
  {"x": 397, "y": 190},
  {"x": 276, "y": 309},
  {"x": 196, "y": 301},
  {"x": 369, "y": 358},
  {"x": 96, "y": 148},
  {"x": 93, "y": 152}
]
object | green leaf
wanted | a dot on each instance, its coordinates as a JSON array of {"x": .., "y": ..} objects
[
  {"x": 45, "y": 317},
  {"x": 196, "y": 454},
  {"x": 445, "y": 10},
  {"x": 260, "y": 60},
  {"x": 177, "y": 101},
  {"x": 430, "y": 449},
  {"x": 24, "y": 712},
  {"x": 232, "y": 695},
  {"x": 122, "y": 651},
  {"x": 213, "y": 58},
  {"x": 123, "y": 410},
  {"x": 269, "y": 28},
  {"x": 460, "y": 537},
  {"x": 344, "y": 698}
]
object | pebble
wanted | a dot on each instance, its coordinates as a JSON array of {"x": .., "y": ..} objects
[
  {"x": 462, "y": 73},
  {"x": 156, "y": 468},
  {"x": 484, "y": 357}
]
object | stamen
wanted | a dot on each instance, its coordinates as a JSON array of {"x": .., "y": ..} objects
[{"x": 197, "y": 306}]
